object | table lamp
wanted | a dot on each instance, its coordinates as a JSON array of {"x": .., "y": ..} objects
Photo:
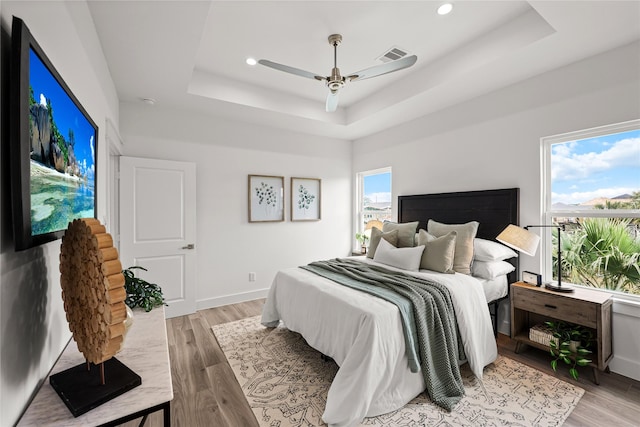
[
  {"x": 522, "y": 240},
  {"x": 371, "y": 224}
]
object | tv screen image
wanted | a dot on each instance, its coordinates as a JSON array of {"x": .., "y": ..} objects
[
  {"x": 62, "y": 154},
  {"x": 53, "y": 147}
]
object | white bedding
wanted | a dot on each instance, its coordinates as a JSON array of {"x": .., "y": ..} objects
[
  {"x": 363, "y": 334},
  {"x": 495, "y": 288}
]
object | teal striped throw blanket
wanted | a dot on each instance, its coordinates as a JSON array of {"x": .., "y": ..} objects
[{"x": 428, "y": 320}]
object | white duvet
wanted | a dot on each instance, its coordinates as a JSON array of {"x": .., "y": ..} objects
[{"x": 363, "y": 334}]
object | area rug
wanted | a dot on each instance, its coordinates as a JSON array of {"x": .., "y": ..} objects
[{"x": 286, "y": 382}]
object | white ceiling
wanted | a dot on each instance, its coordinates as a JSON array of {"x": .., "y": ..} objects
[{"x": 191, "y": 54}]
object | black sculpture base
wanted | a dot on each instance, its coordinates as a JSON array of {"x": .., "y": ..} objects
[
  {"x": 554, "y": 287},
  {"x": 81, "y": 389}
]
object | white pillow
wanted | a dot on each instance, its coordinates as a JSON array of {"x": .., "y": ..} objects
[
  {"x": 486, "y": 250},
  {"x": 491, "y": 269},
  {"x": 404, "y": 258}
]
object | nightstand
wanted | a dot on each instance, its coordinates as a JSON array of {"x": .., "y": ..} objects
[{"x": 531, "y": 305}]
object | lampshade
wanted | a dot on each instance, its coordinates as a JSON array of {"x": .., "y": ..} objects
[
  {"x": 369, "y": 225},
  {"x": 373, "y": 223},
  {"x": 519, "y": 239}
]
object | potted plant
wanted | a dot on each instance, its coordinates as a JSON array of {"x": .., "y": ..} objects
[
  {"x": 141, "y": 293},
  {"x": 362, "y": 238},
  {"x": 570, "y": 344}
]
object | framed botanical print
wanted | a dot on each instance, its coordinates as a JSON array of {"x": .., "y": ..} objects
[
  {"x": 266, "y": 198},
  {"x": 305, "y": 199}
]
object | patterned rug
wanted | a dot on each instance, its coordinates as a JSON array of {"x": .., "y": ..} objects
[{"x": 286, "y": 383}]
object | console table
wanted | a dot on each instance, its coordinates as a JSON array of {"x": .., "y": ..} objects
[
  {"x": 145, "y": 352},
  {"x": 531, "y": 305}
]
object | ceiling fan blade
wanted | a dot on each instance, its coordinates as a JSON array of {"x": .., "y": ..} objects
[
  {"x": 332, "y": 102},
  {"x": 379, "y": 70},
  {"x": 291, "y": 70}
]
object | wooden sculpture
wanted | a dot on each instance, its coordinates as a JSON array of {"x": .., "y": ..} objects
[{"x": 93, "y": 289}]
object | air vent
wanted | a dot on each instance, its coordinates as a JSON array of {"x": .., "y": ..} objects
[{"x": 392, "y": 54}]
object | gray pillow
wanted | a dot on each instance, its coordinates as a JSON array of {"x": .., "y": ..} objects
[
  {"x": 406, "y": 232},
  {"x": 439, "y": 252},
  {"x": 464, "y": 242},
  {"x": 376, "y": 235}
]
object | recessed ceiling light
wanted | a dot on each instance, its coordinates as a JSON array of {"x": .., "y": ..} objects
[
  {"x": 251, "y": 61},
  {"x": 445, "y": 8}
]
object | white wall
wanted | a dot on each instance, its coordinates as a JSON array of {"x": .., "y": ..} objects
[
  {"x": 225, "y": 153},
  {"x": 33, "y": 327},
  {"x": 494, "y": 142}
]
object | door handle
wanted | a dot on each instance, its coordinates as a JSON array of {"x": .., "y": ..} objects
[{"x": 189, "y": 246}]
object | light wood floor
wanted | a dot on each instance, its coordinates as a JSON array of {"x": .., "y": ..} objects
[{"x": 207, "y": 394}]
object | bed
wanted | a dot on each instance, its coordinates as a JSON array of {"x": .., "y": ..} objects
[{"x": 364, "y": 334}]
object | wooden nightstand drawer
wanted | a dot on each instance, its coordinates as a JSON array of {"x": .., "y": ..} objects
[{"x": 557, "y": 306}]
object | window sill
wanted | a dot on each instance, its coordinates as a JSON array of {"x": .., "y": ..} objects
[{"x": 626, "y": 304}]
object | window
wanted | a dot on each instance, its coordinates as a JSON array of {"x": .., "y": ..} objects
[
  {"x": 373, "y": 198},
  {"x": 591, "y": 183}
]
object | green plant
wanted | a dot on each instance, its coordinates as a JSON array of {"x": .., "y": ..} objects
[
  {"x": 141, "y": 293},
  {"x": 362, "y": 238},
  {"x": 602, "y": 254},
  {"x": 567, "y": 336}
]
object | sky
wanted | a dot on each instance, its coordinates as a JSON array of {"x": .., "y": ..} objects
[
  {"x": 378, "y": 187},
  {"x": 604, "y": 166},
  {"x": 65, "y": 113}
]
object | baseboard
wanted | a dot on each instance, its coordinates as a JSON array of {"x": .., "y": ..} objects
[{"x": 231, "y": 299}]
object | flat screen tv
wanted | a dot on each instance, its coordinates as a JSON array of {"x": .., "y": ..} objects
[{"x": 53, "y": 146}]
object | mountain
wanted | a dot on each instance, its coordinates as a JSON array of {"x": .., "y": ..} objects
[{"x": 603, "y": 200}]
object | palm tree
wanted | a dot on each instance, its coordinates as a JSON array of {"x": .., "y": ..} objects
[{"x": 601, "y": 253}]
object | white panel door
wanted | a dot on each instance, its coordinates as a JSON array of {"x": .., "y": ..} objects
[{"x": 158, "y": 227}]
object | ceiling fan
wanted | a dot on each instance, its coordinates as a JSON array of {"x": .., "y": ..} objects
[{"x": 336, "y": 81}]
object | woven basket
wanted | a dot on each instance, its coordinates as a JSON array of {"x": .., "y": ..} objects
[{"x": 541, "y": 334}]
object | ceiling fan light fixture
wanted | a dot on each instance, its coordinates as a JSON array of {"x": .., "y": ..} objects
[
  {"x": 336, "y": 81},
  {"x": 445, "y": 8},
  {"x": 251, "y": 61},
  {"x": 335, "y": 85}
]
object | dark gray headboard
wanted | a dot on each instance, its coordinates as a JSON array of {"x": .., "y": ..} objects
[{"x": 493, "y": 209}]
